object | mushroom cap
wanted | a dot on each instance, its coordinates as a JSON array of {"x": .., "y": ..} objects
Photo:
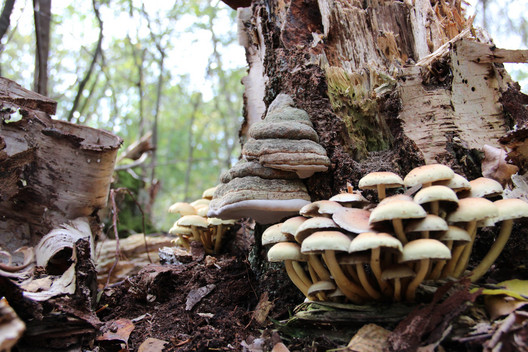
[
  {"x": 325, "y": 240},
  {"x": 429, "y": 223},
  {"x": 202, "y": 210},
  {"x": 455, "y": 233},
  {"x": 285, "y": 251},
  {"x": 370, "y": 240},
  {"x": 424, "y": 248},
  {"x": 312, "y": 225},
  {"x": 404, "y": 197},
  {"x": 320, "y": 207},
  {"x": 321, "y": 286},
  {"x": 435, "y": 193},
  {"x": 200, "y": 202},
  {"x": 397, "y": 209},
  {"x": 180, "y": 230},
  {"x": 273, "y": 234},
  {"x": 182, "y": 208},
  {"x": 387, "y": 178},
  {"x": 397, "y": 271},
  {"x": 283, "y": 130},
  {"x": 483, "y": 187},
  {"x": 217, "y": 221},
  {"x": 209, "y": 192},
  {"x": 353, "y": 219},
  {"x": 427, "y": 174},
  {"x": 511, "y": 208},
  {"x": 192, "y": 220},
  {"x": 473, "y": 209},
  {"x": 457, "y": 183},
  {"x": 291, "y": 225},
  {"x": 346, "y": 198}
]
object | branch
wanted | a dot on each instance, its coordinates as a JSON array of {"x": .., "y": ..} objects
[
  {"x": 96, "y": 54},
  {"x": 5, "y": 17}
]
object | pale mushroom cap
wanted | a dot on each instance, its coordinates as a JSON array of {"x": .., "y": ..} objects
[
  {"x": 182, "y": 208},
  {"x": 369, "y": 240},
  {"x": 200, "y": 202},
  {"x": 325, "y": 240},
  {"x": 320, "y": 207},
  {"x": 473, "y": 209},
  {"x": 397, "y": 209},
  {"x": 389, "y": 179},
  {"x": 354, "y": 198},
  {"x": 427, "y": 174},
  {"x": 312, "y": 225},
  {"x": 285, "y": 251},
  {"x": 217, "y": 221},
  {"x": 202, "y": 210},
  {"x": 484, "y": 187},
  {"x": 429, "y": 223},
  {"x": 457, "y": 183},
  {"x": 180, "y": 230},
  {"x": 273, "y": 234},
  {"x": 397, "y": 271},
  {"x": 396, "y": 197},
  {"x": 353, "y": 220},
  {"x": 511, "y": 209},
  {"x": 291, "y": 225},
  {"x": 192, "y": 220},
  {"x": 321, "y": 286},
  {"x": 435, "y": 193},
  {"x": 455, "y": 233},
  {"x": 424, "y": 248},
  {"x": 208, "y": 193}
]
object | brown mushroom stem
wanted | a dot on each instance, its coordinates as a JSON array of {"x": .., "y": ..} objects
[
  {"x": 196, "y": 233},
  {"x": 381, "y": 192},
  {"x": 352, "y": 272},
  {"x": 317, "y": 265},
  {"x": 423, "y": 267},
  {"x": 397, "y": 289},
  {"x": 301, "y": 273},
  {"x": 435, "y": 207},
  {"x": 352, "y": 291},
  {"x": 464, "y": 257},
  {"x": 495, "y": 250},
  {"x": 376, "y": 270},
  {"x": 439, "y": 266},
  {"x": 451, "y": 263},
  {"x": 219, "y": 232},
  {"x": 398, "y": 229},
  {"x": 363, "y": 279},
  {"x": 292, "y": 274}
]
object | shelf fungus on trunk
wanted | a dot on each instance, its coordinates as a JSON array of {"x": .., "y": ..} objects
[{"x": 264, "y": 200}]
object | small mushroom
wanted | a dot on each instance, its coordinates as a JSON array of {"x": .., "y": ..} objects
[
  {"x": 219, "y": 229},
  {"x": 198, "y": 225},
  {"x": 454, "y": 238},
  {"x": 458, "y": 183},
  {"x": 353, "y": 220},
  {"x": 353, "y": 199},
  {"x": 183, "y": 233},
  {"x": 328, "y": 242},
  {"x": 290, "y": 226},
  {"x": 312, "y": 225},
  {"x": 320, "y": 288},
  {"x": 426, "y": 225},
  {"x": 290, "y": 254},
  {"x": 397, "y": 272},
  {"x": 435, "y": 194},
  {"x": 483, "y": 187},
  {"x": 274, "y": 234},
  {"x": 427, "y": 174},
  {"x": 208, "y": 193},
  {"x": 509, "y": 210},
  {"x": 353, "y": 264},
  {"x": 423, "y": 251},
  {"x": 395, "y": 211},
  {"x": 320, "y": 208},
  {"x": 380, "y": 181},
  {"x": 182, "y": 208}
]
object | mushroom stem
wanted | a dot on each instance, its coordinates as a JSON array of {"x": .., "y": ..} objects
[
  {"x": 397, "y": 290},
  {"x": 451, "y": 263},
  {"x": 301, "y": 273},
  {"x": 376, "y": 270},
  {"x": 439, "y": 266},
  {"x": 381, "y": 191},
  {"x": 352, "y": 291},
  {"x": 464, "y": 258},
  {"x": 398, "y": 229},
  {"x": 363, "y": 279},
  {"x": 435, "y": 207},
  {"x": 219, "y": 232},
  {"x": 495, "y": 250},
  {"x": 292, "y": 274},
  {"x": 420, "y": 276},
  {"x": 316, "y": 264}
]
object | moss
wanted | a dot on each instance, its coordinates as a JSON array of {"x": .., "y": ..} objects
[{"x": 354, "y": 98}]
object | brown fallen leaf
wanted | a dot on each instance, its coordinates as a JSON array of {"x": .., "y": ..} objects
[
  {"x": 494, "y": 165},
  {"x": 119, "y": 330},
  {"x": 152, "y": 345},
  {"x": 370, "y": 338},
  {"x": 197, "y": 295},
  {"x": 262, "y": 309}
]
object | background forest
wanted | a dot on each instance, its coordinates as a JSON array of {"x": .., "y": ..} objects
[{"x": 166, "y": 69}]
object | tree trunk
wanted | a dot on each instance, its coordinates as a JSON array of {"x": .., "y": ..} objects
[{"x": 42, "y": 14}]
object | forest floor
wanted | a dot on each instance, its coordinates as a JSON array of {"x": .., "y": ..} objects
[{"x": 226, "y": 303}]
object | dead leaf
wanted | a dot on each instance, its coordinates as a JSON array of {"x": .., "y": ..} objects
[
  {"x": 197, "y": 295},
  {"x": 119, "y": 330},
  {"x": 370, "y": 338},
  {"x": 510, "y": 334},
  {"x": 280, "y": 347},
  {"x": 262, "y": 309},
  {"x": 498, "y": 306},
  {"x": 152, "y": 345},
  {"x": 494, "y": 165},
  {"x": 11, "y": 326}
]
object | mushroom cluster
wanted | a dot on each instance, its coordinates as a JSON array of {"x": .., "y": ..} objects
[
  {"x": 347, "y": 249},
  {"x": 266, "y": 183},
  {"x": 194, "y": 225}
]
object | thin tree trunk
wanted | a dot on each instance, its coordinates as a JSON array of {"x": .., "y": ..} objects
[
  {"x": 42, "y": 16},
  {"x": 5, "y": 17},
  {"x": 95, "y": 56}
]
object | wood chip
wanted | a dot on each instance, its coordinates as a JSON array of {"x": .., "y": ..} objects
[{"x": 197, "y": 295}]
